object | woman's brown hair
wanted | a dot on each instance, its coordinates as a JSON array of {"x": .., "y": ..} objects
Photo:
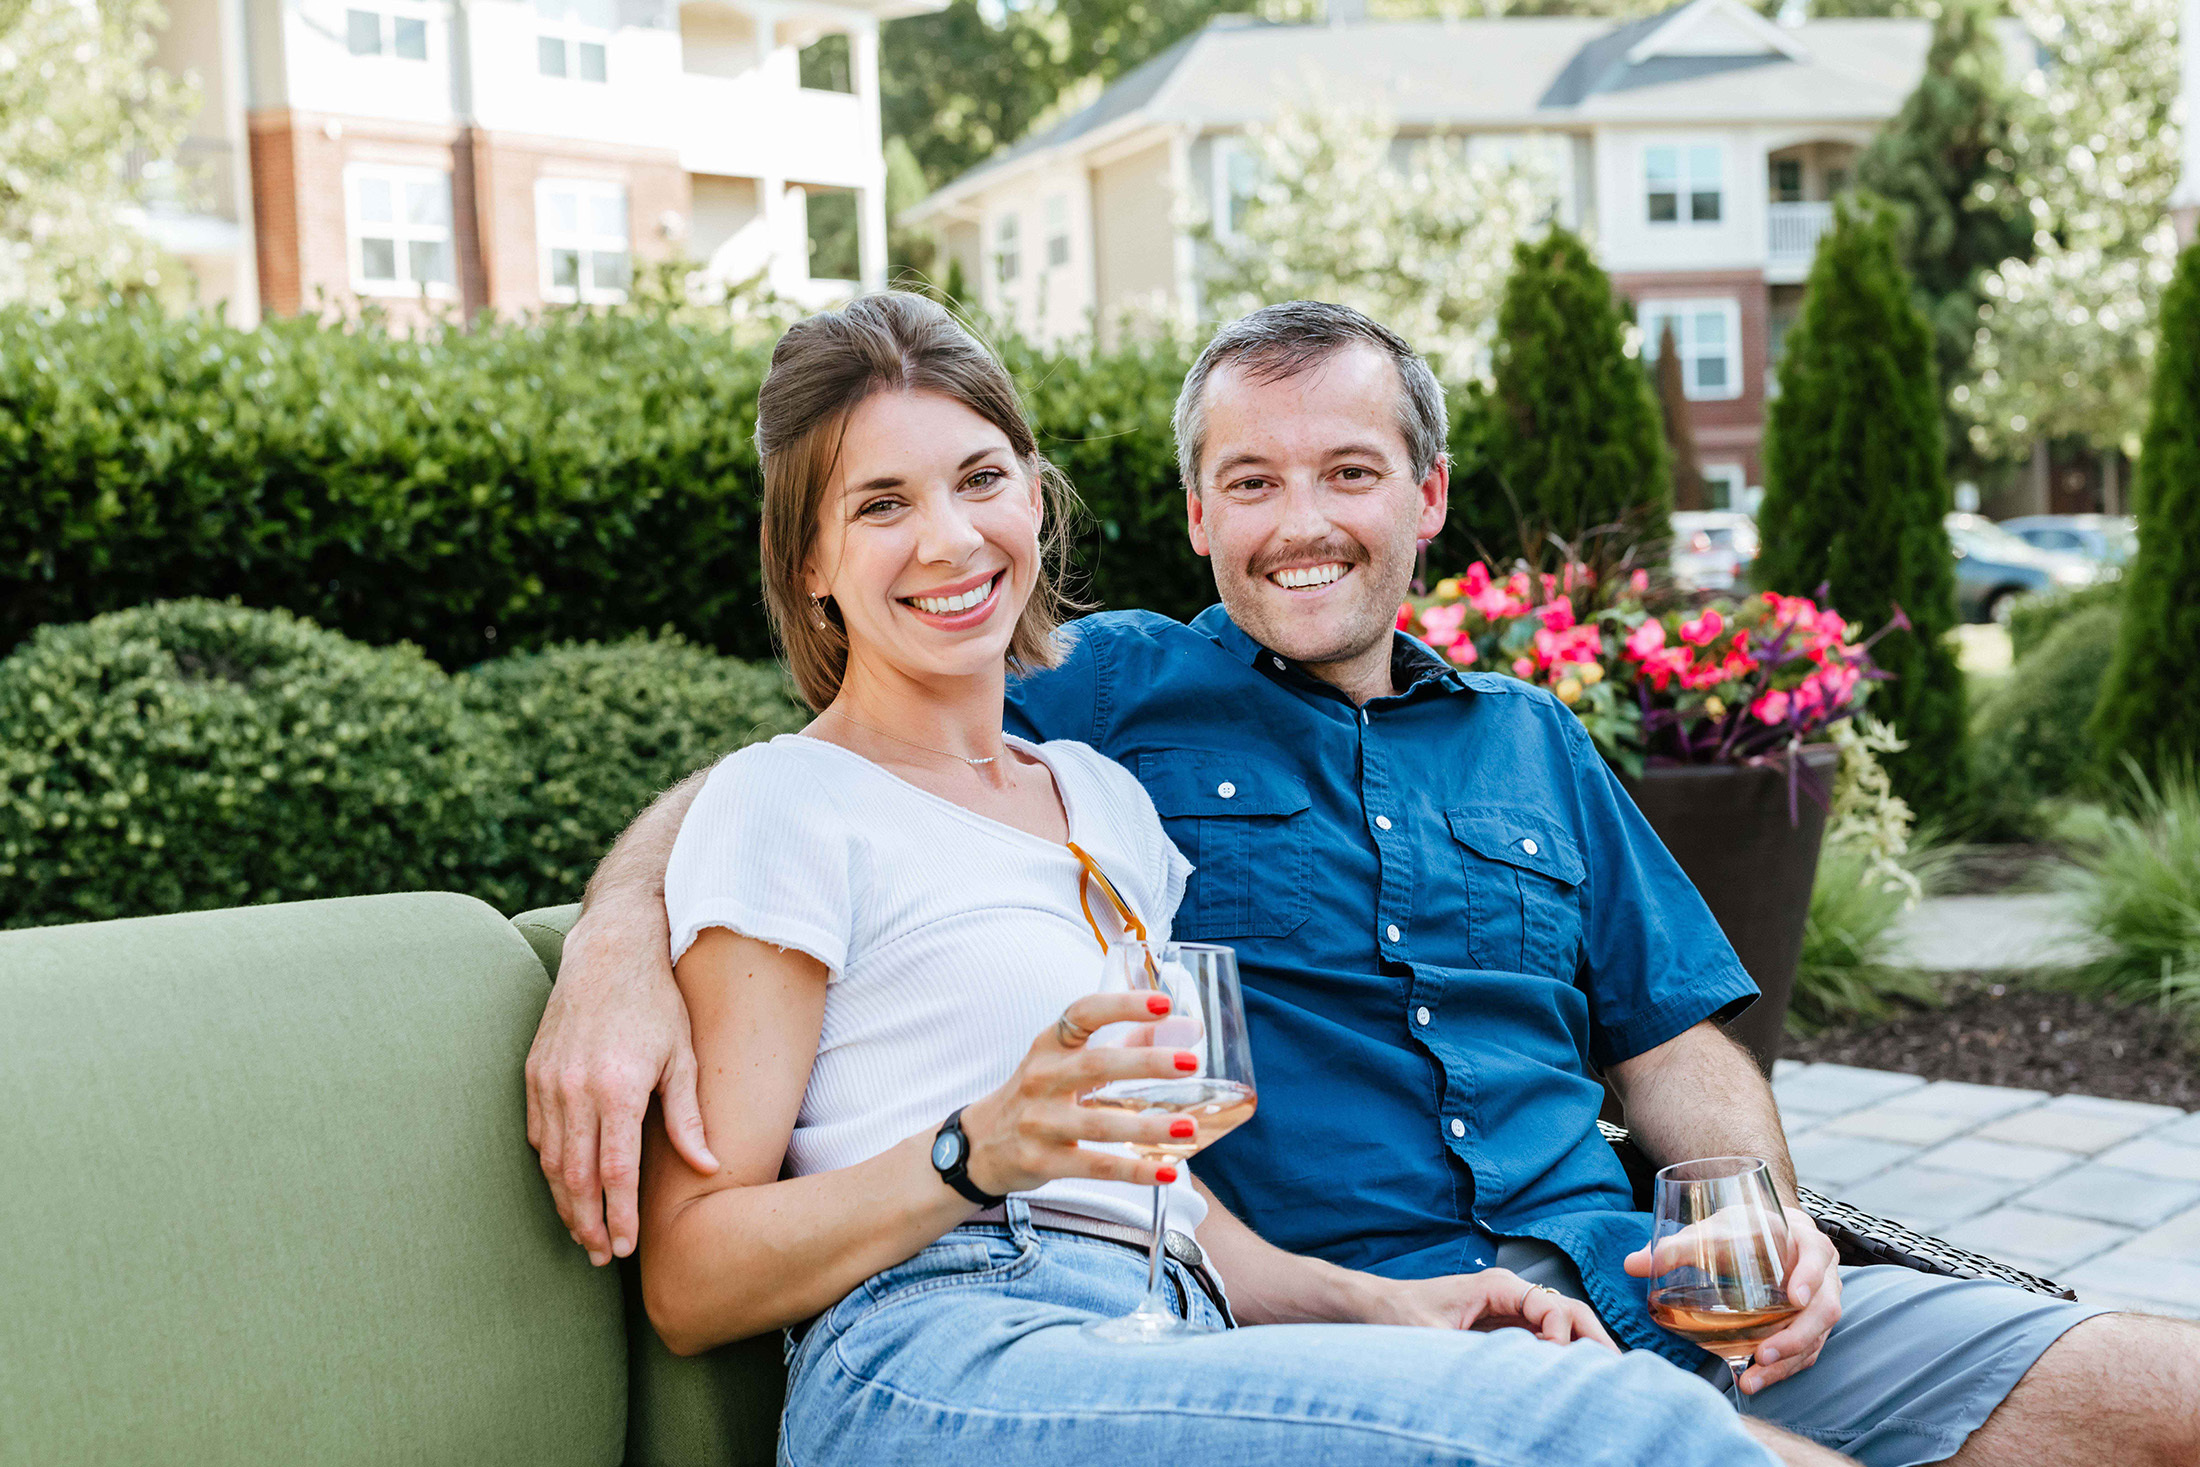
[{"x": 822, "y": 370}]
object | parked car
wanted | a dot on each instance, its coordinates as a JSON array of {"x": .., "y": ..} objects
[
  {"x": 2104, "y": 539},
  {"x": 1712, "y": 548},
  {"x": 1994, "y": 568}
]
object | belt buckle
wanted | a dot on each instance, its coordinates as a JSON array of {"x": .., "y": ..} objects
[{"x": 1184, "y": 1248}]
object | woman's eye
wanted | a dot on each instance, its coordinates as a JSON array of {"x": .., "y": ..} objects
[
  {"x": 986, "y": 479},
  {"x": 876, "y": 507}
]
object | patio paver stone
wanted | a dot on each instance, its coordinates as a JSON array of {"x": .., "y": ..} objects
[
  {"x": 1997, "y": 1159},
  {"x": 1928, "y": 1200},
  {"x": 1824, "y": 1160},
  {"x": 1891, "y": 1123},
  {"x": 2113, "y": 1195},
  {"x": 2050, "y": 1240},
  {"x": 1961, "y": 1098},
  {"x": 1836, "y": 1088}
]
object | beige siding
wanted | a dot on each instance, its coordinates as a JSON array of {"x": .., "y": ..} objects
[{"x": 1134, "y": 237}]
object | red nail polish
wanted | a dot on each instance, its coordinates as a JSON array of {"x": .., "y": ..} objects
[
  {"x": 1183, "y": 1128},
  {"x": 1157, "y": 1003},
  {"x": 1165, "y": 1176},
  {"x": 1185, "y": 1060}
]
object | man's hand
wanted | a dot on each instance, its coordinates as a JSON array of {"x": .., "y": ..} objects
[
  {"x": 614, "y": 1032},
  {"x": 1813, "y": 1280},
  {"x": 1495, "y": 1298}
]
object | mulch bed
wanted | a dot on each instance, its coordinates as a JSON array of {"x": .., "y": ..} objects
[{"x": 1995, "y": 1031}]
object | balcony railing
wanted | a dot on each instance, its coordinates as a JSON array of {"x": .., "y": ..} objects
[{"x": 1792, "y": 231}]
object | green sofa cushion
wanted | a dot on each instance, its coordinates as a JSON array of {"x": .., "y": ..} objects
[
  {"x": 267, "y": 1196},
  {"x": 715, "y": 1410}
]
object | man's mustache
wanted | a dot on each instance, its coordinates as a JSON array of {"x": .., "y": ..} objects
[{"x": 1345, "y": 552}]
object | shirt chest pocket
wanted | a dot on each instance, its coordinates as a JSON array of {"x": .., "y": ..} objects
[
  {"x": 1523, "y": 878},
  {"x": 1243, "y": 824}
]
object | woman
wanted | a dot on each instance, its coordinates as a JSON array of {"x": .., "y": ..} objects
[{"x": 878, "y": 930}]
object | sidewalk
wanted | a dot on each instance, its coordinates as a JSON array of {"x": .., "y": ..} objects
[
  {"x": 2103, "y": 1196},
  {"x": 2024, "y": 932}
]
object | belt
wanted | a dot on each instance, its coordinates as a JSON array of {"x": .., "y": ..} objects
[{"x": 1182, "y": 1247}]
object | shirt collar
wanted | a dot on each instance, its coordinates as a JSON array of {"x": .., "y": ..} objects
[{"x": 1412, "y": 662}]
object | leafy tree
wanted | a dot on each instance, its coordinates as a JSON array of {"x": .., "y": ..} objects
[
  {"x": 80, "y": 97},
  {"x": 1948, "y": 162},
  {"x": 2068, "y": 336},
  {"x": 1688, "y": 492},
  {"x": 1423, "y": 251},
  {"x": 1575, "y": 433},
  {"x": 2150, "y": 707},
  {"x": 1856, "y": 487},
  {"x": 959, "y": 87}
]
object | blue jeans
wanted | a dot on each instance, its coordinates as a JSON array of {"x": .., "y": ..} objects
[{"x": 970, "y": 1352}]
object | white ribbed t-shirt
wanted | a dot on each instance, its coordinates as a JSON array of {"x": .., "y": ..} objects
[{"x": 950, "y": 940}]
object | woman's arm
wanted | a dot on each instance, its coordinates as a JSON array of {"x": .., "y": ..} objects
[{"x": 741, "y": 1252}]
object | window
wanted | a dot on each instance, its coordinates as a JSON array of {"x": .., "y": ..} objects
[
  {"x": 1708, "y": 334},
  {"x": 826, "y": 65},
  {"x": 573, "y": 38},
  {"x": 1787, "y": 181},
  {"x": 400, "y": 231},
  {"x": 1723, "y": 486},
  {"x": 581, "y": 230},
  {"x": 1057, "y": 231},
  {"x": 1684, "y": 184},
  {"x": 1006, "y": 258},
  {"x": 1237, "y": 179},
  {"x": 371, "y": 33}
]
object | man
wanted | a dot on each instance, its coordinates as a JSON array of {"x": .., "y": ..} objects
[{"x": 1450, "y": 918}]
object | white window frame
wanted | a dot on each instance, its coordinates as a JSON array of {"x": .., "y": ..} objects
[
  {"x": 570, "y": 31},
  {"x": 385, "y": 31},
  {"x": 1653, "y": 314},
  {"x": 1057, "y": 221},
  {"x": 1733, "y": 476},
  {"x": 1223, "y": 189},
  {"x": 1688, "y": 184},
  {"x": 1008, "y": 254},
  {"x": 402, "y": 233},
  {"x": 584, "y": 239}
]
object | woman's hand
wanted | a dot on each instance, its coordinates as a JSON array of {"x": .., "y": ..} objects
[
  {"x": 1026, "y": 1133},
  {"x": 1495, "y": 1298}
]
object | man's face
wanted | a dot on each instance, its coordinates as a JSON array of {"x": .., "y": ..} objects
[{"x": 1308, "y": 506}]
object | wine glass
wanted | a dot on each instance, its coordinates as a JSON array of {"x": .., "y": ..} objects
[
  {"x": 1207, "y": 1019},
  {"x": 1719, "y": 1257}
]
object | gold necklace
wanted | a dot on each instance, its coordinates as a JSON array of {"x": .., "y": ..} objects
[{"x": 897, "y": 738}]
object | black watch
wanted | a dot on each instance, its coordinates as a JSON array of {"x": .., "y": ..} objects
[{"x": 951, "y": 1159}]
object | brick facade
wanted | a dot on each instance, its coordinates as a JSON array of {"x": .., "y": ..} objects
[
  {"x": 298, "y": 162},
  {"x": 1730, "y": 430}
]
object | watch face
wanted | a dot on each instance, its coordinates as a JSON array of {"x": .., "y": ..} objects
[{"x": 947, "y": 1148}]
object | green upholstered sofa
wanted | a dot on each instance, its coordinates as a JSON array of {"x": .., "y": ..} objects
[{"x": 266, "y": 1197}]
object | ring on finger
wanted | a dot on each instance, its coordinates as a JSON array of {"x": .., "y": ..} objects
[
  {"x": 1070, "y": 1032},
  {"x": 1544, "y": 1289}
]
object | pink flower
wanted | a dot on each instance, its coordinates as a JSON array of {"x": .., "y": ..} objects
[
  {"x": 1405, "y": 615},
  {"x": 1698, "y": 633},
  {"x": 1475, "y": 581},
  {"x": 1523, "y": 667},
  {"x": 1557, "y": 615},
  {"x": 1461, "y": 651},
  {"x": 1647, "y": 638},
  {"x": 1639, "y": 582},
  {"x": 1497, "y": 603},
  {"x": 1831, "y": 625},
  {"x": 1440, "y": 624},
  {"x": 1771, "y": 707}
]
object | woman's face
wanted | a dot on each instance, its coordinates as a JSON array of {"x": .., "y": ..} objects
[{"x": 928, "y": 538}]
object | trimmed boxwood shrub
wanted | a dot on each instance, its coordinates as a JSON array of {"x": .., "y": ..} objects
[
  {"x": 2030, "y": 736},
  {"x": 596, "y": 730},
  {"x": 193, "y": 754},
  {"x": 2032, "y": 619}
]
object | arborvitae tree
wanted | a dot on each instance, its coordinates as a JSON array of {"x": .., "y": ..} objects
[
  {"x": 1576, "y": 437},
  {"x": 1948, "y": 162},
  {"x": 2150, "y": 705},
  {"x": 1688, "y": 492},
  {"x": 1856, "y": 487}
]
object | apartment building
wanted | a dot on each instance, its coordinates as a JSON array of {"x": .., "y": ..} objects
[
  {"x": 1699, "y": 150},
  {"x": 503, "y": 155}
]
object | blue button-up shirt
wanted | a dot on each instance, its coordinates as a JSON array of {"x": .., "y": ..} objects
[{"x": 1449, "y": 917}]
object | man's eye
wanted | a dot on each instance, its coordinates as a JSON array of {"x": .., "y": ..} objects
[{"x": 1355, "y": 472}]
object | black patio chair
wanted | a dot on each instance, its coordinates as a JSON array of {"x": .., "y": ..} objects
[{"x": 1860, "y": 1237}]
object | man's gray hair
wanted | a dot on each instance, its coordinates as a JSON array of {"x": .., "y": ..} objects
[{"x": 1278, "y": 342}]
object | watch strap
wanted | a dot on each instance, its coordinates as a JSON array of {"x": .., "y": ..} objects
[{"x": 958, "y": 1175}]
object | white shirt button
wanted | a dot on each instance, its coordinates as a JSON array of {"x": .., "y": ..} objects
[
  {"x": 1363, "y": 715},
  {"x": 1382, "y": 822},
  {"x": 1420, "y": 1016},
  {"x": 1391, "y": 932},
  {"x": 1278, "y": 661},
  {"x": 1530, "y": 847},
  {"x": 1228, "y": 791},
  {"x": 1458, "y": 1128}
]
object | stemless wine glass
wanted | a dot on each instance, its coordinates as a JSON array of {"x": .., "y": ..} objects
[
  {"x": 1719, "y": 1257},
  {"x": 1207, "y": 1019}
]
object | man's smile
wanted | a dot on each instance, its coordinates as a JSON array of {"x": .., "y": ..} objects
[{"x": 1310, "y": 577}]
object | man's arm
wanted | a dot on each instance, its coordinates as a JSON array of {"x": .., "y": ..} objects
[
  {"x": 614, "y": 1032},
  {"x": 1700, "y": 1094}
]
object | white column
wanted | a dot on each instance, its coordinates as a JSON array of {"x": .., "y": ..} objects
[
  {"x": 244, "y": 299},
  {"x": 2186, "y": 201},
  {"x": 1186, "y": 260},
  {"x": 871, "y": 201}
]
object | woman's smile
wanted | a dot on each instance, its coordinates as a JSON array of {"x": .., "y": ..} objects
[{"x": 955, "y": 607}]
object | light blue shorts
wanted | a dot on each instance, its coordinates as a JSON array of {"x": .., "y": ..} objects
[
  {"x": 1917, "y": 1363},
  {"x": 970, "y": 1353}
]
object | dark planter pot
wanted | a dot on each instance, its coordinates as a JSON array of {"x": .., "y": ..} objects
[{"x": 1728, "y": 826}]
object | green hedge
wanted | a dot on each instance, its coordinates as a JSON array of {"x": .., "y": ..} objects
[
  {"x": 476, "y": 491},
  {"x": 2030, "y": 736},
  {"x": 595, "y": 731},
  {"x": 2032, "y": 619},
  {"x": 193, "y": 755}
]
